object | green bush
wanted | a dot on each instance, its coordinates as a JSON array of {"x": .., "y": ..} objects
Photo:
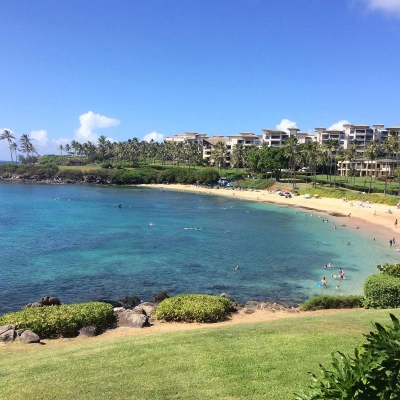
[
  {"x": 193, "y": 308},
  {"x": 382, "y": 291},
  {"x": 327, "y": 302},
  {"x": 64, "y": 320},
  {"x": 373, "y": 373},
  {"x": 390, "y": 269}
]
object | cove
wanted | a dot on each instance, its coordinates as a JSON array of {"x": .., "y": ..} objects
[{"x": 74, "y": 242}]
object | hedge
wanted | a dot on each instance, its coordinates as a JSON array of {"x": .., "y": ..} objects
[
  {"x": 329, "y": 301},
  {"x": 64, "y": 320},
  {"x": 193, "y": 308},
  {"x": 382, "y": 291}
]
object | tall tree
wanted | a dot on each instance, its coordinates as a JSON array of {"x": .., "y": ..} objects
[
  {"x": 290, "y": 149},
  {"x": 219, "y": 154},
  {"x": 8, "y": 135},
  {"x": 370, "y": 153}
]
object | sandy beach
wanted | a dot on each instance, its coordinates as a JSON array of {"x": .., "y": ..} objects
[{"x": 373, "y": 219}]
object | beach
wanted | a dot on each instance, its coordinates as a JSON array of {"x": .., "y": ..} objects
[{"x": 373, "y": 219}]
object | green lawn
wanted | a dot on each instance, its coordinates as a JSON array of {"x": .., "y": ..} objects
[
  {"x": 80, "y": 167},
  {"x": 267, "y": 360}
]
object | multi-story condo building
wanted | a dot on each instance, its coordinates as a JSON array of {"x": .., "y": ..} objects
[
  {"x": 361, "y": 133},
  {"x": 276, "y": 138}
]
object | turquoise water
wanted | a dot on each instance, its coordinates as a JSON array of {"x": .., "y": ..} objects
[{"x": 71, "y": 241}]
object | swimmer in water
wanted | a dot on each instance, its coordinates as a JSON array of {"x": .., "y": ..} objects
[{"x": 237, "y": 267}]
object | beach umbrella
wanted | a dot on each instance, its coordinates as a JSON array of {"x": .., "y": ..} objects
[{"x": 307, "y": 196}]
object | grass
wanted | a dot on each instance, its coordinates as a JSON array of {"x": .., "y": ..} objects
[
  {"x": 80, "y": 167},
  {"x": 266, "y": 360}
]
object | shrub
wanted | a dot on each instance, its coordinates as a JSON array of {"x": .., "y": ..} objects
[
  {"x": 193, "y": 308},
  {"x": 373, "y": 373},
  {"x": 382, "y": 291},
  {"x": 64, "y": 320},
  {"x": 326, "y": 302},
  {"x": 390, "y": 269}
]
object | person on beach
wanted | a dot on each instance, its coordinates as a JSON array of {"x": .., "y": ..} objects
[
  {"x": 323, "y": 281},
  {"x": 395, "y": 223},
  {"x": 390, "y": 242},
  {"x": 394, "y": 240}
]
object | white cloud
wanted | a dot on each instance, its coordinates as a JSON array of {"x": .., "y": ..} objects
[
  {"x": 390, "y": 7},
  {"x": 91, "y": 121},
  {"x": 285, "y": 125},
  {"x": 338, "y": 126},
  {"x": 157, "y": 137},
  {"x": 39, "y": 138}
]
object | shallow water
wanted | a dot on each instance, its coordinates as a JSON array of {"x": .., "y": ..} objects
[{"x": 73, "y": 242}]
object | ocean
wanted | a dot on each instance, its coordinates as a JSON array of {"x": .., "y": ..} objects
[{"x": 75, "y": 243}]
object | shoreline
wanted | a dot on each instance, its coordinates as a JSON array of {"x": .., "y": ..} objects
[{"x": 372, "y": 219}]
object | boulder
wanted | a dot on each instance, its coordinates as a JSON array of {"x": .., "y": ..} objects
[
  {"x": 158, "y": 298},
  {"x": 248, "y": 310},
  {"x": 88, "y": 331},
  {"x": 29, "y": 337},
  {"x": 147, "y": 308},
  {"x": 35, "y": 304},
  {"x": 131, "y": 319},
  {"x": 114, "y": 303},
  {"x": 8, "y": 333},
  {"x": 129, "y": 302},
  {"x": 50, "y": 301}
]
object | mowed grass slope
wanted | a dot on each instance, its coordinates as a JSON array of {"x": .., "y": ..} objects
[{"x": 266, "y": 360}]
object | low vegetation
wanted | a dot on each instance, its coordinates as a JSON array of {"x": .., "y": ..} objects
[
  {"x": 61, "y": 321},
  {"x": 373, "y": 372},
  {"x": 328, "y": 302},
  {"x": 193, "y": 308},
  {"x": 266, "y": 360}
]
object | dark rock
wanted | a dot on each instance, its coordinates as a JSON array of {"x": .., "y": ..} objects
[
  {"x": 147, "y": 308},
  {"x": 50, "y": 301},
  {"x": 248, "y": 310},
  {"x": 29, "y": 337},
  {"x": 131, "y": 319},
  {"x": 114, "y": 303},
  {"x": 158, "y": 298},
  {"x": 129, "y": 302},
  {"x": 88, "y": 331}
]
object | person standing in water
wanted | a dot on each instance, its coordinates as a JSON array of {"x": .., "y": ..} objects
[{"x": 323, "y": 281}]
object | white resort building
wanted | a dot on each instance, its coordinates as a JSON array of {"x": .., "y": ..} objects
[{"x": 361, "y": 133}]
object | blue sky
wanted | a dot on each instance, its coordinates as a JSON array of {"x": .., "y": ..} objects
[{"x": 79, "y": 69}]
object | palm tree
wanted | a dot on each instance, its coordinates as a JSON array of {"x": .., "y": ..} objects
[
  {"x": 102, "y": 146},
  {"x": 14, "y": 148},
  {"x": 67, "y": 148},
  {"x": 340, "y": 157},
  {"x": 370, "y": 153},
  {"x": 351, "y": 153},
  {"x": 237, "y": 158},
  {"x": 394, "y": 143},
  {"x": 7, "y": 135},
  {"x": 61, "y": 148},
  {"x": 386, "y": 146},
  {"x": 219, "y": 154},
  {"x": 290, "y": 148},
  {"x": 25, "y": 145}
]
